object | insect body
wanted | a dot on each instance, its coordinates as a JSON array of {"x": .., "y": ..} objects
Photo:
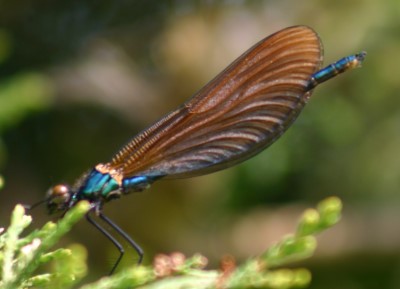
[{"x": 235, "y": 116}]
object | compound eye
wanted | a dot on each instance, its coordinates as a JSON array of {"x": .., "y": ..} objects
[{"x": 58, "y": 198}]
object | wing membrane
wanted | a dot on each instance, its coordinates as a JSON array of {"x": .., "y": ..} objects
[{"x": 236, "y": 115}]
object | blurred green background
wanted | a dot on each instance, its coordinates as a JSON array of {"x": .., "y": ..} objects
[{"x": 78, "y": 79}]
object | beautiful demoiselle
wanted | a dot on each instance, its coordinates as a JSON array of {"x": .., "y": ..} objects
[{"x": 235, "y": 116}]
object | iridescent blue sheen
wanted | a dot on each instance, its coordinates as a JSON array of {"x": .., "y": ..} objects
[
  {"x": 98, "y": 183},
  {"x": 336, "y": 68},
  {"x": 104, "y": 184},
  {"x": 136, "y": 182}
]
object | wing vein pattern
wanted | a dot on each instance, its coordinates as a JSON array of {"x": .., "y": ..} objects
[{"x": 236, "y": 115}]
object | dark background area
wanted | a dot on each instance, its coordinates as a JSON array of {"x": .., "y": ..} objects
[{"x": 78, "y": 79}]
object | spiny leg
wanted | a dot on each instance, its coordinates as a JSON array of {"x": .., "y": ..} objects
[
  {"x": 133, "y": 244},
  {"x": 111, "y": 238}
]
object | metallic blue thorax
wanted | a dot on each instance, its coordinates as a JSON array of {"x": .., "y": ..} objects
[{"x": 101, "y": 183}]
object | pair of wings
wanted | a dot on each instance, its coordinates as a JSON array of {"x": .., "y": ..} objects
[{"x": 235, "y": 116}]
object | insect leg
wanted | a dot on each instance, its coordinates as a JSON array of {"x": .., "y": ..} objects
[
  {"x": 133, "y": 244},
  {"x": 111, "y": 238}
]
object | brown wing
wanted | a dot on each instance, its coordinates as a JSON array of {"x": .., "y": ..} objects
[{"x": 236, "y": 115}]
